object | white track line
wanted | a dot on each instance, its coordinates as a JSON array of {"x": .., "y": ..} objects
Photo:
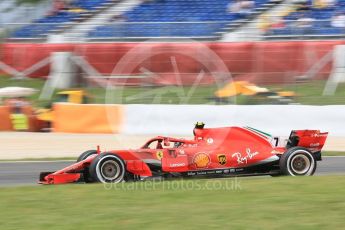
[{"x": 36, "y": 161}]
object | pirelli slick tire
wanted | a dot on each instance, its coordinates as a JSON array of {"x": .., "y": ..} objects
[
  {"x": 297, "y": 161},
  {"x": 86, "y": 154},
  {"x": 86, "y": 175},
  {"x": 107, "y": 168}
]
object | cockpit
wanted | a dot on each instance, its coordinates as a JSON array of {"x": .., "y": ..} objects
[{"x": 162, "y": 143}]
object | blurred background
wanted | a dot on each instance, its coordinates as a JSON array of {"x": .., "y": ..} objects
[
  {"x": 75, "y": 74},
  {"x": 156, "y": 55}
]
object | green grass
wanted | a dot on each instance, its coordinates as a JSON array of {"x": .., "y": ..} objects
[
  {"x": 29, "y": 1},
  {"x": 333, "y": 153},
  {"x": 156, "y": 95},
  {"x": 260, "y": 203},
  {"x": 309, "y": 93}
]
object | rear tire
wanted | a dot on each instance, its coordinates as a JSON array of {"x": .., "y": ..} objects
[
  {"x": 86, "y": 174},
  {"x": 297, "y": 161},
  {"x": 107, "y": 168}
]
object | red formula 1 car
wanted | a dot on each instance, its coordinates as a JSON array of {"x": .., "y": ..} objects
[{"x": 227, "y": 151}]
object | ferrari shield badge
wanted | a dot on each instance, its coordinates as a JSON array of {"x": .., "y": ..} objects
[
  {"x": 159, "y": 155},
  {"x": 221, "y": 159}
]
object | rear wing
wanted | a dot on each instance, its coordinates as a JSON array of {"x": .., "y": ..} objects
[{"x": 313, "y": 140}]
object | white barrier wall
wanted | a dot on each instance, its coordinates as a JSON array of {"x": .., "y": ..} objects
[{"x": 275, "y": 119}]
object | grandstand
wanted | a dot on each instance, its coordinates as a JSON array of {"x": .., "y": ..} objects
[
  {"x": 176, "y": 18},
  {"x": 57, "y": 21},
  {"x": 197, "y": 19},
  {"x": 169, "y": 18},
  {"x": 312, "y": 19}
]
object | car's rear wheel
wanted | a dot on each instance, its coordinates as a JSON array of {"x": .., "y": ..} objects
[
  {"x": 107, "y": 168},
  {"x": 297, "y": 161},
  {"x": 83, "y": 156}
]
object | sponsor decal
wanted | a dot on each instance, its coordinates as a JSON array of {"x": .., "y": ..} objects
[
  {"x": 201, "y": 160},
  {"x": 214, "y": 172},
  {"x": 177, "y": 165},
  {"x": 276, "y": 152},
  {"x": 244, "y": 159},
  {"x": 314, "y": 144},
  {"x": 159, "y": 155},
  {"x": 209, "y": 141},
  {"x": 221, "y": 159}
]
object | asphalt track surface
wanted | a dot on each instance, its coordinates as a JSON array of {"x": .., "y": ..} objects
[{"x": 27, "y": 172}]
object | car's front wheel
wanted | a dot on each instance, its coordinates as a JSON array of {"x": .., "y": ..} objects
[
  {"x": 107, "y": 168},
  {"x": 297, "y": 161},
  {"x": 86, "y": 154},
  {"x": 86, "y": 175}
]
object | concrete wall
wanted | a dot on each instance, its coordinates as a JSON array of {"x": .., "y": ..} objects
[{"x": 275, "y": 119}]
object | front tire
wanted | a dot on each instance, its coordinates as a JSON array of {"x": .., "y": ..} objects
[
  {"x": 107, "y": 168},
  {"x": 86, "y": 174},
  {"x": 86, "y": 154},
  {"x": 297, "y": 161}
]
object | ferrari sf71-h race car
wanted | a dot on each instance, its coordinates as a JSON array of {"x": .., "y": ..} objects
[{"x": 214, "y": 152}]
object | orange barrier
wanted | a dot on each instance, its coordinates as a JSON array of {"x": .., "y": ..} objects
[
  {"x": 5, "y": 121},
  {"x": 89, "y": 118}
]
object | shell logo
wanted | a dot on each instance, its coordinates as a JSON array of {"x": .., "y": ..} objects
[{"x": 201, "y": 160}]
